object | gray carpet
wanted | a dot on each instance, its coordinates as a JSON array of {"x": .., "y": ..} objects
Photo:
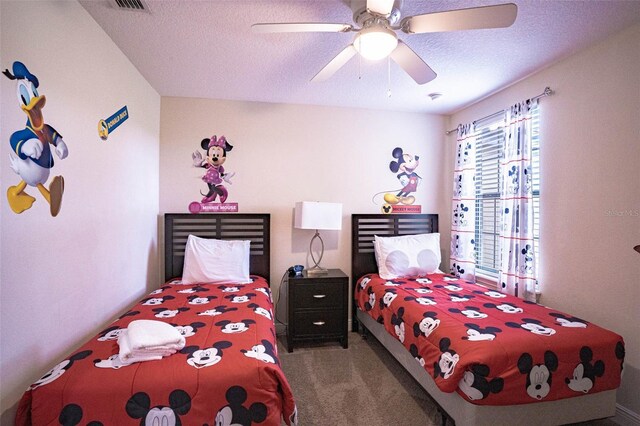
[{"x": 362, "y": 385}]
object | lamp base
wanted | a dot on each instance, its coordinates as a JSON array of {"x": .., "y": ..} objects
[{"x": 317, "y": 271}]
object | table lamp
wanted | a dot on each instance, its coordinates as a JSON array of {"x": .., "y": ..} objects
[{"x": 319, "y": 216}]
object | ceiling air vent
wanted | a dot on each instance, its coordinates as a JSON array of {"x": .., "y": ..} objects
[{"x": 133, "y": 5}]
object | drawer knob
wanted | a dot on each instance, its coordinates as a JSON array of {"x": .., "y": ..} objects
[
  {"x": 318, "y": 323},
  {"x": 319, "y": 296}
]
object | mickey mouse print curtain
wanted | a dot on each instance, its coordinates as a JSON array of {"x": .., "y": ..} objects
[
  {"x": 517, "y": 274},
  {"x": 463, "y": 205}
]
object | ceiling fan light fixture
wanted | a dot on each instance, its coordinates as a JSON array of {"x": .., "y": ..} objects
[{"x": 375, "y": 42}]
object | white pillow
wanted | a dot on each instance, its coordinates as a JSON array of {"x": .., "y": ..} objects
[
  {"x": 407, "y": 255},
  {"x": 214, "y": 261}
]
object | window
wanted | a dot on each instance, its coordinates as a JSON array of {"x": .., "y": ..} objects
[{"x": 490, "y": 139}]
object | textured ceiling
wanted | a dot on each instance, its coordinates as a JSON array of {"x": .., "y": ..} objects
[{"x": 206, "y": 49}]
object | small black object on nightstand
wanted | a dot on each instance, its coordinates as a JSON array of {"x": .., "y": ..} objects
[
  {"x": 295, "y": 271},
  {"x": 318, "y": 308}
]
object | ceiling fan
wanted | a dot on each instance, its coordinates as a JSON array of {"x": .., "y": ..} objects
[{"x": 376, "y": 36}]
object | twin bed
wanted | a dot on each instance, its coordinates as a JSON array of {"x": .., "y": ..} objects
[
  {"x": 228, "y": 373},
  {"x": 483, "y": 357}
]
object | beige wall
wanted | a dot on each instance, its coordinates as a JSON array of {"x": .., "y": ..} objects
[
  {"x": 288, "y": 153},
  {"x": 63, "y": 278},
  {"x": 590, "y": 188}
]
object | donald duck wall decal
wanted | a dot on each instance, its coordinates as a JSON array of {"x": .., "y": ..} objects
[{"x": 31, "y": 157}]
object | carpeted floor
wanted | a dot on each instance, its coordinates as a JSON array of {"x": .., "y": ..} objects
[{"x": 362, "y": 385}]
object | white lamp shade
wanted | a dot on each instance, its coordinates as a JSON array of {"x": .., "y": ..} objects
[{"x": 317, "y": 215}]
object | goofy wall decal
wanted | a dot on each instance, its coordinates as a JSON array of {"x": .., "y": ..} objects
[{"x": 31, "y": 156}]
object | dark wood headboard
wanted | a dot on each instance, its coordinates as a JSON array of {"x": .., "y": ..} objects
[
  {"x": 365, "y": 226},
  {"x": 223, "y": 226},
  {"x": 363, "y": 229}
]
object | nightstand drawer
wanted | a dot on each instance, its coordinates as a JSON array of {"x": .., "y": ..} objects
[
  {"x": 320, "y": 323},
  {"x": 319, "y": 295},
  {"x": 317, "y": 308}
]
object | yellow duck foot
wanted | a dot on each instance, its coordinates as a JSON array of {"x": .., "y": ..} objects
[
  {"x": 56, "y": 189},
  {"x": 391, "y": 198},
  {"x": 408, "y": 200},
  {"x": 19, "y": 201}
]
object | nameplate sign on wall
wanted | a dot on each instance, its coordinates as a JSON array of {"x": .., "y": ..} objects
[
  {"x": 197, "y": 207},
  {"x": 406, "y": 209},
  {"x": 108, "y": 125},
  {"x": 216, "y": 178}
]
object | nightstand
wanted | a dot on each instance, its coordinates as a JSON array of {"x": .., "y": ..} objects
[{"x": 317, "y": 308}]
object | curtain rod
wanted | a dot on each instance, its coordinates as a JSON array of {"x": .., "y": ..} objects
[{"x": 547, "y": 92}]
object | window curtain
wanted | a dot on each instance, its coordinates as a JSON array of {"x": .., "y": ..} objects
[
  {"x": 463, "y": 205},
  {"x": 517, "y": 274}
]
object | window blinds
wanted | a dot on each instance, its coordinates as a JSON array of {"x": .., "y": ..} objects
[{"x": 489, "y": 150}]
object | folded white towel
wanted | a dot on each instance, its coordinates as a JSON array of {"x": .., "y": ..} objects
[
  {"x": 149, "y": 334},
  {"x": 128, "y": 357},
  {"x": 172, "y": 348},
  {"x": 147, "y": 340}
]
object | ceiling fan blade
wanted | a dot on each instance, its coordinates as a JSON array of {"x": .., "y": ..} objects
[
  {"x": 381, "y": 7},
  {"x": 497, "y": 16},
  {"x": 335, "y": 64},
  {"x": 412, "y": 64},
  {"x": 301, "y": 27}
]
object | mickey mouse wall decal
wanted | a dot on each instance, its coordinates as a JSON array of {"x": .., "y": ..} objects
[
  {"x": 401, "y": 200},
  {"x": 404, "y": 165}
]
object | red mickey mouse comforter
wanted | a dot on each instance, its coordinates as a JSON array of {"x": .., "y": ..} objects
[
  {"x": 228, "y": 372},
  {"x": 493, "y": 349}
]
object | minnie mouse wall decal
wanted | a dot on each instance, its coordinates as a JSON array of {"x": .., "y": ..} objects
[{"x": 215, "y": 177}]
